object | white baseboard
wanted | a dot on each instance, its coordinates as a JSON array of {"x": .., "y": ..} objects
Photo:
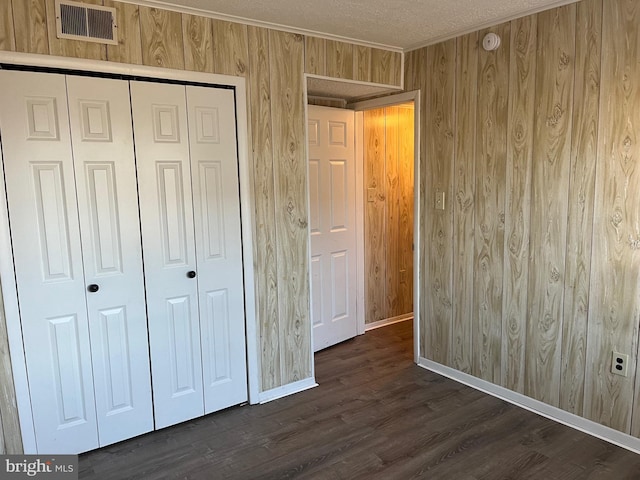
[
  {"x": 388, "y": 321},
  {"x": 574, "y": 421},
  {"x": 289, "y": 389}
]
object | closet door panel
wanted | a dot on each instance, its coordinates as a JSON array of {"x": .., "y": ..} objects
[
  {"x": 164, "y": 179},
  {"x": 102, "y": 138},
  {"x": 214, "y": 163},
  {"x": 47, "y": 255}
]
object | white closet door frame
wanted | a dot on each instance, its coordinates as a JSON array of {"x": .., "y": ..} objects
[{"x": 7, "y": 273}]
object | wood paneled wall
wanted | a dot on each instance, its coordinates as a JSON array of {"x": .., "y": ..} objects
[
  {"x": 530, "y": 278},
  {"x": 274, "y": 64},
  {"x": 352, "y": 62},
  {"x": 388, "y": 226}
]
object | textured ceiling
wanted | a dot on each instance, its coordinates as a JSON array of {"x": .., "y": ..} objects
[{"x": 402, "y": 24}]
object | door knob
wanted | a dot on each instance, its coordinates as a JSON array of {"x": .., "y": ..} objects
[
  {"x": 93, "y": 288},
  {"x": 191, "y": 274}
]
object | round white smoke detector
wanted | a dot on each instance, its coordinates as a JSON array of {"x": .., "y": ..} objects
[{"x": 491, "y": 41}]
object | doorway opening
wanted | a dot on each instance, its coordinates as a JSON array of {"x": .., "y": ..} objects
[
  {"x": 388, "y": 160},
  {"x": 386, "y": 153}
]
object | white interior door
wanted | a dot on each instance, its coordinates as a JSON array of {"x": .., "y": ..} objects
[
  {"x": 102, "y": 139},
  {"x": 166, "y": 212},
  {"x": 216, "y": 202},
  {"x": 45, "y": 234},
  {"x": 332, "y": 202}
]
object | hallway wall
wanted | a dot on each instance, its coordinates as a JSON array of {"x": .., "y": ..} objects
[{"x": 388, "y": 212}]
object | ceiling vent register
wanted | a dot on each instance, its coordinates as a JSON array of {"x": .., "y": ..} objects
[{"x": 90, "y": 23}]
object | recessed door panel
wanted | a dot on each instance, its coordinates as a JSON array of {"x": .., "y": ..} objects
[
  {"x": 219, "y": 345},
  {"x": 172, "y": 213},
  {"x": 339, "y": 194},
  {"x": 67, "y": 371},
  {"x": 53, "y": 230},
  {"x": 182, "y": 347},
  {"x": 118, "y": 368},
  {"x": 105, "y": 219},
  {"x": 212, "y": 208},
  {"x": 339, "y": 285}
]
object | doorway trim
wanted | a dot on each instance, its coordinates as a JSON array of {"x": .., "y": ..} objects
[
  {"x": 359, "y": 107},
  {"x": 9, "y": 289}
]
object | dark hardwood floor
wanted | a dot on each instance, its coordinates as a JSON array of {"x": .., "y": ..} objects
[{"x": 375, "y": 415}]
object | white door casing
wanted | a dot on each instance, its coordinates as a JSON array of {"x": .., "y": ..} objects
[
  {"x": 102, "y": 141},
  {"x": 332, "y": 203},
  {"x": 218, "y": 245}
]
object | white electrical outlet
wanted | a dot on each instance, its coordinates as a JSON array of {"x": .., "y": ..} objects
[{"x": 619, "y": 362}]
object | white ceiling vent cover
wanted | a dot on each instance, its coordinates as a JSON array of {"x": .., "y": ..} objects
[{"x": 81, "y": 21}]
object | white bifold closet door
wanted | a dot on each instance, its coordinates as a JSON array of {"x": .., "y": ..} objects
[
  {"x": 186, "y": 151},
  {"x": 71, "y": 190}
]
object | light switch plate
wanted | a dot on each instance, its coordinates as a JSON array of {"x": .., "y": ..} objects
[
  {"x": 371, "y": 194},
  {"x": 439, "y": 203}
]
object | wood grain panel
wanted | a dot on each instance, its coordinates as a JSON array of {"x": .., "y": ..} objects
[
  {"x": 374, "y": 224},
  {"x": 32, "y": 35},
  {"x": 491, "y": 148},
  {"x": 584, "y": 148},
  {"x": 388, "y": 178},
  {"x": 438, "y": 238},
  {"x": 63, "y": 47},
  {"x": 392, "y": 248},
  {"x": 129, "y": 48},
  {"x": 198, "y": 43},
  {"x": 230, "y": 51},
  {"x": 266, "y": 272},
  {"x": 7, "y": 34},
  {"x": 396, "y": 68},
  {"x": 339, "y": 57},
  {"x": 362, "y": 63},
  {"x": 518, "y": 200},
  {"x": 10, "y": 434},
  {"x": 614, "y": 298},
  {"x": 314, "y": 55},
  {"x": 286, "y": 58},
  {"x": 161, "y": 34},
  {"x": 463, "y": 203},
  {"x": 412, "y": 68},
  {"x": 550, "y": 179},
  {"x": 385, "y": 66},
  {"x": 406, "y": 162}
]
